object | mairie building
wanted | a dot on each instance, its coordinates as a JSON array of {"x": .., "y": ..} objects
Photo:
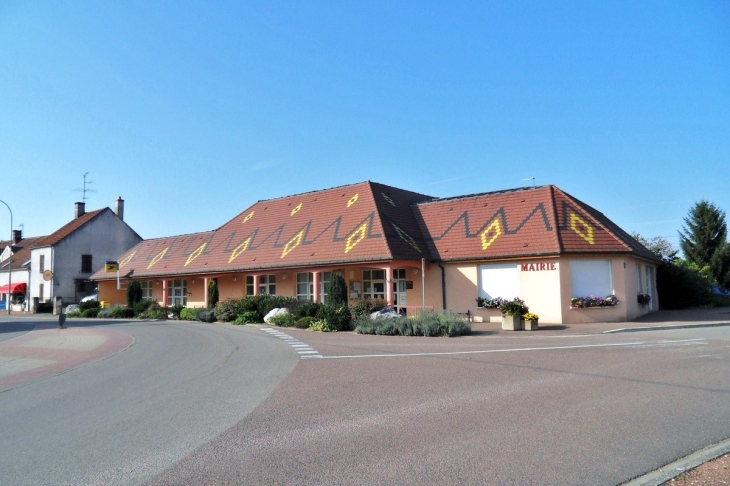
[{"x": 536, "y": 243}]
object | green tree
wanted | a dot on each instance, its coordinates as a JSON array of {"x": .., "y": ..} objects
[
  {"x": 212, "y": 293},
  {"x": 703, "y": 239},
  {"x": 134, "y": 293},
  {"x": 337, "y": 290},
  {"x": 659, "y": 246}
]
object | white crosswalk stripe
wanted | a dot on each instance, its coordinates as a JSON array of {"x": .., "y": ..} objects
[{"x": 304, "y": 350}]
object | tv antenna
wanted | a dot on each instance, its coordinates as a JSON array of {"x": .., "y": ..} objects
[
  {"x": 85, "y": 190},
  {"x": 530, "y": 179}
]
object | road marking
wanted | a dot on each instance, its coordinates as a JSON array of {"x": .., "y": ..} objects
[
  {"x": 513, "y": 350},
  {"x": 304, "y": 350}
]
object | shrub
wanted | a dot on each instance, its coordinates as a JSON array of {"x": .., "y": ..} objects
[
  {"x": 283, "y": 320},
  {"x": 306, "y": 308},
  {"x": 134, "y": 293},
  {"x": 89, "y": 304},
  {"x": 365, "y": 307},
  {"x": 425, "y": 323},
  {"x": 175, "y": 310},
  {"x": 154, "y": 311},
  {"x": 189, "y": 314},
  {"x": 305, "y": 322},
  {"x": 141, "y": 307},
  {"x": 73, "y": 314},
  {"x": 249, "y": 317},
  {"x": 122, "y": 313},
  {"x": 681, "y": 287},
  {"x": 206, "y": 315},
  {"x": 104, "y": 314},
  {"x": 322, "y": 326},
  {"x": 90, "y": 312},
  {"x": 337, "y": 290},
  {"x": 265, "y": 303},
  {"x": 338, "y": 317},
  {"x": 228, "y": 310}
]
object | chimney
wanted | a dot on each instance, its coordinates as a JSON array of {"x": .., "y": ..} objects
[
  {"x": 119, "y": 208},
  {"x": 17, "y": 236},
  {"x": 80, "y": 209}
]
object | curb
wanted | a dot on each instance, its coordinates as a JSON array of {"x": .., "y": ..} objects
[
  {"x": 664, "y": 328},
  {"x": 674, "y": 469}
]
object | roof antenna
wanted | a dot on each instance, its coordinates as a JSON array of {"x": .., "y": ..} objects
[
  {"x": 530, "y": 179},
  {"x": 83, "y": 198}
]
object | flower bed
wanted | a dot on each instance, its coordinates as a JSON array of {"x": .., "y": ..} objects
[{"x": 588, "y": 302}]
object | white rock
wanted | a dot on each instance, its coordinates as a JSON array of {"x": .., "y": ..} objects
[
  {"x": 275, "y": 312},
  {"x": 386, "y": 313}
]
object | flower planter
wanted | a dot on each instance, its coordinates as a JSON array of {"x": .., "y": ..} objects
[
  {"x": 512, "y": 323},
  {"x": 531, "y": 325}
]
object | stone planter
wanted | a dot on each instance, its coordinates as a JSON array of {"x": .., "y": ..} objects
[
  {"x": 512, "y": 323},
  {"x": 530, "y": 325}
]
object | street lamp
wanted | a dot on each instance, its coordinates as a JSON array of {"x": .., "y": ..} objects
[{"x": 10, "y": 265}]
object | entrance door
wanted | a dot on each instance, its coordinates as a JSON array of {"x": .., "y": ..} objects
[{"x": 399, "y": 290}]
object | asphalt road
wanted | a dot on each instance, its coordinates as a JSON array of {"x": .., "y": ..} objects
[
  {"x": 562, "y": 410},
  {"x": 211, "y": 404},
  {"x": 125, "y": 419}
]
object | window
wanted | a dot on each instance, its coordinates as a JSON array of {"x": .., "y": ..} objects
[
  {"x": 324, "y": 284},
  {"x": 590, "y": 278},
  {"x": 146, "y": 287},
  {"x": 177, "y": 292},
  {"x": 40, "y": 292},
  {"x": 85, "y": 263},
  {"x": 42, "y": 264},
  {"x": 249, "y": 285},
  {"x": 373, "y": 282},
  {"x": 638, "y": 278},
  {"x": 499, "y": 280},
  {"x": 305, "y": 286},
  {"x": 267, "y": 284}
]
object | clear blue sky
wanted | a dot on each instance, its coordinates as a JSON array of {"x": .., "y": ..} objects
[{"x": 191, "y": 111}]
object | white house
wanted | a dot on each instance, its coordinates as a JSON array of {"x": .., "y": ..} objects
[{"x": 61, "y": 263}]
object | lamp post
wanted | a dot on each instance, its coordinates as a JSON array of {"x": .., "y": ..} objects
[{"x": 10, "y": 265}]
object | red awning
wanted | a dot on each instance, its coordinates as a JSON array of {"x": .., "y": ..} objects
[{"x": 18, "y": 288}]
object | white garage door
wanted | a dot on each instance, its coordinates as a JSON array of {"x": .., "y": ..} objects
[{"x": 499, "y": 280}]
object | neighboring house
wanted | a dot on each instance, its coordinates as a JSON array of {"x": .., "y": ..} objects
[
  {"x": 62, "y": 262},
  {"x": 19, "y": 250},
  {"x": 413, "y": 250}
]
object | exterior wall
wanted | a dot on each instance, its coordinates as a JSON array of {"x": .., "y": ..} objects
[
  {"x": 36, "y": 276},
  {"x": 104, "y": 238},
  {"x": 108, "y": 292},
  {"x": 539, "y": 287}
]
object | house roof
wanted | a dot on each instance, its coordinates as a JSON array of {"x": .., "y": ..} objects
[
  {"x": 522, "y": 222},
  {"x": 373, "y": 222},
  {"x": 21, "y": 251}
]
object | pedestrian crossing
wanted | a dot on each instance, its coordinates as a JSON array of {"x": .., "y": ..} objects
[{"x": 305, "y": 350}]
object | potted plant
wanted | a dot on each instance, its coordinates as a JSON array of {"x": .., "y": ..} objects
[
  {"x": 512, "y": 312},
  {"x": 530, "y": 321},
  {"x": 643, "y": 299}
]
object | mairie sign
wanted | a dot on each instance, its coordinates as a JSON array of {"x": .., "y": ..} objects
[{"x": 538, "y": 267}]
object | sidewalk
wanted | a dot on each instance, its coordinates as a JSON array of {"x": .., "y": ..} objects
[{"x": 663, "y": 319}]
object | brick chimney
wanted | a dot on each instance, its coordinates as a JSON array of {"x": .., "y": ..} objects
[
  {"x": 17, "y": 236},
  {"x": 119, "y": 208},
  {"x": 80, "y": 209}
]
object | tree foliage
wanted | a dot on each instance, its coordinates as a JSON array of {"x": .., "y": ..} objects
[
  {"x": 658, "y": 245},
  {"x": 212, "y": 293},
  {"x": 134, "y": 293},
  {"x": 703, "y": 240},
  {"x": 337, "y": 290}
]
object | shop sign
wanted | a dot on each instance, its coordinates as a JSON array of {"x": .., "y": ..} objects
[{"x": 538, "y": 267}]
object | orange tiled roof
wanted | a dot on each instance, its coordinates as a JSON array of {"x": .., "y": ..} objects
[
  {"x": 374, "y": 222},
  {"x": 520, "y": 223},
  {"x": 354, "y": 223},
  {"x": 21, "y": 251}
]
